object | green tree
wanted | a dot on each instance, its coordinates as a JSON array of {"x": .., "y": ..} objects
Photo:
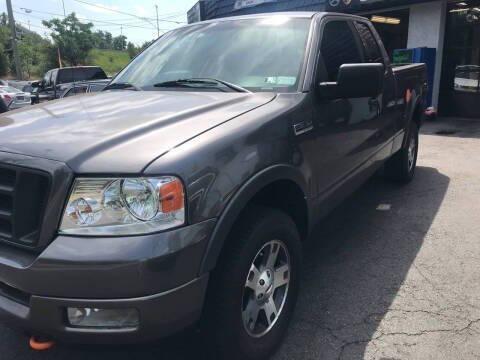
[
  {"x": 146, "y": 44},
  {"x": 28, "y": 56},
  {"x": 4, "y": 61},
  {"x": 4, "y": 45},
  {"x": 108, "y": 40},
  {"x": 3, "y": 19},
  {"x": 132, "y": 50},
  {"x": 31, "y": 49},
  {"x": 120, "y": 42},
  {"x": 72, "y": 37},
  {"x": 48, "y": 58},
  {"x": 102, "y": 40}
]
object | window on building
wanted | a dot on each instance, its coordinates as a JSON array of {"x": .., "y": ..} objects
[
  {"x": 338, "y": 47},
  {"x": 370, "y": 45}
]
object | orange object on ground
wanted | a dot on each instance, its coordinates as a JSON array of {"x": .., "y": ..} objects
[{"x": 41, "y": 345}]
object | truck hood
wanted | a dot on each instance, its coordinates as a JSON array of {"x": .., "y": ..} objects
[{"x": 119, "y": 131}]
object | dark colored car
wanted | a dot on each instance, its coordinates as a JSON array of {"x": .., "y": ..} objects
[
  {"x": 84, "y": 87},
  {"x": 3, "y": 106},
  {"x": 185, "y": 190},
  {"x": 56, "y": 81}
]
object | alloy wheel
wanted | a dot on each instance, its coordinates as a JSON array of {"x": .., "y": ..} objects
[{"x": 266, "y": 288}]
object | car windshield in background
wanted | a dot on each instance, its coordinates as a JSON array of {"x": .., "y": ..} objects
[
  {"x": 9, "y": 90},
  {"x": 262, "y": 54}
]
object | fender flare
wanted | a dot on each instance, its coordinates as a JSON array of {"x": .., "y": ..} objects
[
  {"x": 415, "y": 104},
  {"x": 238, "y": 202}
]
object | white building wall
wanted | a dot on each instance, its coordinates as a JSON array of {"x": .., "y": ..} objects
[{"x": 427, "y": 29}]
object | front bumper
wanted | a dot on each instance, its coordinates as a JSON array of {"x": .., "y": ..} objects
[
  {"x": 159, "y": 315},
  {"x": 157, "y": 274}
]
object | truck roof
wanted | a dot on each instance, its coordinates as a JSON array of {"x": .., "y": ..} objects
[
  {"x": 294, "y": 14},
  {"x": 77, "y": 67}
]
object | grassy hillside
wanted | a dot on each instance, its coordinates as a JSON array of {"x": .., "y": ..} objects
[{"x": 112, "y": 61}]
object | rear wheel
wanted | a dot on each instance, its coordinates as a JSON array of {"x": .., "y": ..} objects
[
  {"x": 401, "y": 167},
  {"x": 254, "y": 288}
]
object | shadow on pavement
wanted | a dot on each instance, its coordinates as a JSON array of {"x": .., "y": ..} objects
[
  {"x": 355, "y": 263},
  {"x": 453, "y": 127}
]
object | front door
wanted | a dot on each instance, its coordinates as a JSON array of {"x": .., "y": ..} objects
[{"x": 347, "y": 128}]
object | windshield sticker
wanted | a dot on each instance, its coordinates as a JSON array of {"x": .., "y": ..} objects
[{"x": 281, "y": 80}]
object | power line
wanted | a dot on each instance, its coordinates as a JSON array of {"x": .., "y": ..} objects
[
  {"x": 125, "y": 13},
  {"x": 43, "y": 27},
  {"x": 86, "y": 19},
  {"x": 80, "y": 18}
]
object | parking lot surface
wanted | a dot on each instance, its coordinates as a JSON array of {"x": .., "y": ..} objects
[{"x": 394, "y": 273}]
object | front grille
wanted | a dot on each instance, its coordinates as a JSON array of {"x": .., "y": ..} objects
[{"x": 23, "y": 196}]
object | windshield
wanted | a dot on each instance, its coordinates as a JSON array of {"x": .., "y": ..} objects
[
  {"x": 9, "y": 90},
  {"x": 263, "y": 54}
]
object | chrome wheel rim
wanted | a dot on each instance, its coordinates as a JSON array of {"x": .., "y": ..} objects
[
  {"x": 412, "y": 149},
  {"x": 266, "y": 288}
]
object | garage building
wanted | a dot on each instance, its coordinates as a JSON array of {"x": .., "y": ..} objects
[{"x": 443, "y": 33}]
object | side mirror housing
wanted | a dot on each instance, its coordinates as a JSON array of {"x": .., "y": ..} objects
[
  {"x": 355, "y": 81},
  {"x": 35, "y": 84}
]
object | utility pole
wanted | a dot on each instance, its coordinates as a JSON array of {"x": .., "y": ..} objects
[
  {"x": 158, "y": 27},
  {"x": 63, "y": 4},
  {"x": 11, "y": 20}
]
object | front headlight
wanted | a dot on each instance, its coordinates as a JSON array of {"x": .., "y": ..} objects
[{"x": 123, "y": 206}]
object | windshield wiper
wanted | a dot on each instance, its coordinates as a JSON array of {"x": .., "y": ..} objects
[
  {"x": 122, "y": 86},
  {"x": 206, "y": 82}
]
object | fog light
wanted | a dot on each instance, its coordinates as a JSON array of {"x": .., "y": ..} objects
[{"x": 102, "y": 318}]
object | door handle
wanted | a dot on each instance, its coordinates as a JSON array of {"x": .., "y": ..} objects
[{"x": 374, "y": 105}]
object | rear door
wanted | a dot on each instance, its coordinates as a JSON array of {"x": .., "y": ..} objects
[
  {"x": 347, "y": 126},
  {"x": 385, "y": 124}
]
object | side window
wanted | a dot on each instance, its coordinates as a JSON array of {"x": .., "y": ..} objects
[
  {"x": 46, "y": 79},
  {"x": 80, "y": 89},
  {"x": 53, "y": 76},
  {"x": 370, "y": 45},
  {"x": 96, "y": 88},
  {"x": 69, "y": 93},
  {"x": 338, "y": 47}
]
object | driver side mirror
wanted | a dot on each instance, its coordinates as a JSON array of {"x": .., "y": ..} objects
[{"x": 355, "y": 81}]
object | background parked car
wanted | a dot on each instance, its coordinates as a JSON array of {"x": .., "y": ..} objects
[
  {"x": 3, "y": 107},
  {"x": 14, "y": 98},
  {"x": 55, "y": 81},
  {"x": 84, "y": 87}
]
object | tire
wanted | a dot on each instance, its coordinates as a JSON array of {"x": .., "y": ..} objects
[
  {"x": 401, "y": 167},
  {"x": 231, "y": 304}
]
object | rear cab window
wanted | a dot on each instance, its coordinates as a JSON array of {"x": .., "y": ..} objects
[
  {"x": 80, "y": 74},
  {"x": 371, "y": 48}
]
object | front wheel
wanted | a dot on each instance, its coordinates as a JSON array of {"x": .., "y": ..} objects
[
  {"x": 401, "y": 167},
  {"x": 253, "y": 291}
]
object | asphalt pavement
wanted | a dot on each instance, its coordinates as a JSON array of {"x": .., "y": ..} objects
[{"x": 394, "y": 273}]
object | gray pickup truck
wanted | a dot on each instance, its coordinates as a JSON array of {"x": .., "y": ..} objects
[
  {"x": 56, "y": 82},
  {"x": 182, "y": 194}
]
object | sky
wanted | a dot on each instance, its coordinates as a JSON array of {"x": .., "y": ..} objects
[{"x": 136, "y": 19}]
